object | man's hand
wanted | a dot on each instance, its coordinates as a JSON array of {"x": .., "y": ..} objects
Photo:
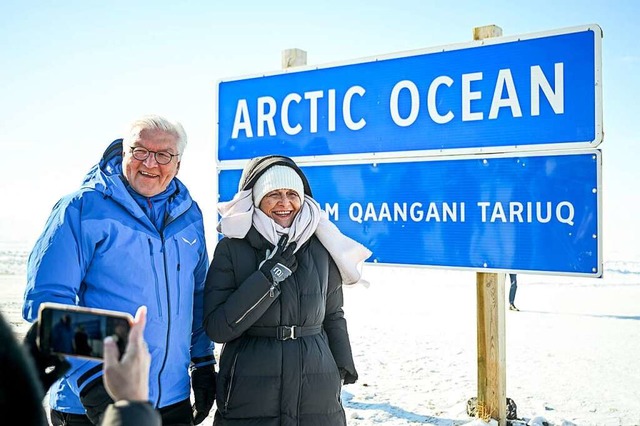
[
  {"x": 203, "y": 382},
  {"x": 272, "y": 267},
  {"x": 50, "y": 367},
  {"x": 127, "y": 378}
]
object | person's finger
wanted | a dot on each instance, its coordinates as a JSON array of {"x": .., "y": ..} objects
[
  {"x": 141, "y": 316},
  {"x": 289, "y": 251},
  {"x": 111, "y": 353},
  {"x": 136, "y": 334}
]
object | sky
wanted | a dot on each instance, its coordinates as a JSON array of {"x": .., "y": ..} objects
[{"x": 75, "y": 73}]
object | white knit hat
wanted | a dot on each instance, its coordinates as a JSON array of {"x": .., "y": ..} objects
[{"x": 277, "y": 177}]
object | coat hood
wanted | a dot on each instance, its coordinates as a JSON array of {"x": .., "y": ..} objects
[
  {"x": 258, "y": 165},
  {"x": 108, "y": 172},
  {"x": 107, "y": 178}
]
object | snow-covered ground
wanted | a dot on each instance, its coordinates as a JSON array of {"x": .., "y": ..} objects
[{"x": 572, "y": 350}]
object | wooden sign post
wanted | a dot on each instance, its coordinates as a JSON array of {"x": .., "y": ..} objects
[{"x": 492, "y": 375}]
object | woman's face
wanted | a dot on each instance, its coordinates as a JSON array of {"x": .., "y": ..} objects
[{"x": 281, "y": 205}]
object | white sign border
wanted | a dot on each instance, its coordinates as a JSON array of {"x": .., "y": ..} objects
[
  {"x": 306, "y": 160},
  {"x": 597, "y": 153}
]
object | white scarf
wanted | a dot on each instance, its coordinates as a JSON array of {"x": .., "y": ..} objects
[{"x": 239, "y": 214}]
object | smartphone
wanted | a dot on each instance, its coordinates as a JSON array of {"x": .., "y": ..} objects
[{"x": 78, "y": 331}]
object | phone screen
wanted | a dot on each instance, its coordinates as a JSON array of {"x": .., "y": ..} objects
[{"x": 77, "y": 331}]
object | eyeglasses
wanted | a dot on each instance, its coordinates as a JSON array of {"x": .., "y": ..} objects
[{"x": 162, "y": 157}]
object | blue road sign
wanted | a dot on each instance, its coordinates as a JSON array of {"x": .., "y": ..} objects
[
  {"x": 535, "y": 92},
  {"x": 530, "y": 213}
]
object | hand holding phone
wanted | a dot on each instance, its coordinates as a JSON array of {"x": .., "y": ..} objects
[
  {"x": 78, "y": 331},
  {"x": 127, "y": 378}
]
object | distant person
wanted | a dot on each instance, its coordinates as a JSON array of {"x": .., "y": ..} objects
[
  {"x": 512, "y": 292},
  {"x": 120, "y": 336},
  {"x": 26, "y": 374},
  {"x": 274, "y": 297},
  {"x": 131, "y": 236},
  {"x": 62, "y": 335},
  {"x": 81, "y": 342}
]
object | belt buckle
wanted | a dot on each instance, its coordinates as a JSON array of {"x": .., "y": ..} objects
[{"x": 286, "y": 332}]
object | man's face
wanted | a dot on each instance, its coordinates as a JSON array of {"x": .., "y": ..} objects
[{"x": 147, "y": 177}]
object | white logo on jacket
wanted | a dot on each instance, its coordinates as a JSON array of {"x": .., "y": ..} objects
[{"x": 189, "y": 242}]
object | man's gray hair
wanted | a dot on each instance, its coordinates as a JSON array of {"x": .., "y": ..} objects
[{"x": 156, "y": 122}]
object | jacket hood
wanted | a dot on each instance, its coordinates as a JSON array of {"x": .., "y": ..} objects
[
  {"x": 104, "y": 175},
  {"x": 258, "y": 165},
  {"x": 107, "y": 178}
]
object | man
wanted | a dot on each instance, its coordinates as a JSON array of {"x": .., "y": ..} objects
[
  {"x": 81, "y": 341},
  {"x": 62, "y": 336},
  {"x": 131, "y": 236}
]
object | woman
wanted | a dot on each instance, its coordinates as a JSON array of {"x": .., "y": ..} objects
[{"x": 273, "y": 295}]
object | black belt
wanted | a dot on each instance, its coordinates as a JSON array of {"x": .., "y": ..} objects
[{"x": 285, "y": 332}]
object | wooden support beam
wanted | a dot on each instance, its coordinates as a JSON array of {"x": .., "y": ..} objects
[
  {"x": 293, "y": 58},
  {"x": 492, "y": 369},
  {"x": 492, "y": 398},
  {"x": 488, "y": 31}
]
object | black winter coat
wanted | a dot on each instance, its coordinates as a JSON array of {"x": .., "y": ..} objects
[{"x": 262, "y": 380}]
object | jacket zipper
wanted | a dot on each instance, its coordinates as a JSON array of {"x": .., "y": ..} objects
[
  {"x": 155, "y": 276},
  {"x": 231, "y": 377},
  {"x": 168, "y": 293},
  {"x": 167, "y": 220},
  {"x": 175, "y": 240},
  {"x": 271, "y": 293}
]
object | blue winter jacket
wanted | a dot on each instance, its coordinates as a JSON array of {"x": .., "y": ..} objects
[{"x": 99, "y": 249}]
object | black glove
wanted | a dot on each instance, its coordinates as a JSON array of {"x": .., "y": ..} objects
[
  {"x": 50, "y": 367},
  {"x": 347, "y": 378},
  {"x": 203, "y": 382},
  {"x": 282, "y": 263}
]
